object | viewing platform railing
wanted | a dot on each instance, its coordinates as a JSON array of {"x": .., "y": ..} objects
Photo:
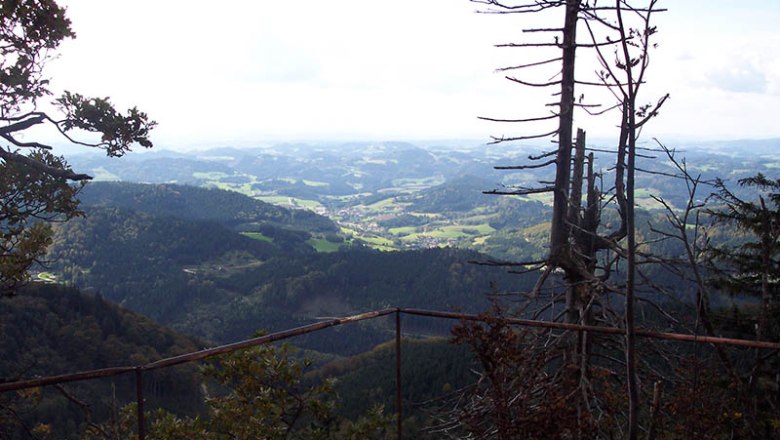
[{"x": 138, "y": 370}]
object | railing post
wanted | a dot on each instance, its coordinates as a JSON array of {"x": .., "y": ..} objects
[
  {"x": 398, "y": 401},
  {"x": 139, "y": 396}
]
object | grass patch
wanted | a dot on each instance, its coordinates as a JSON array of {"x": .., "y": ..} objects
[
  {"x": 258, "y": 236},
  {"x": 458, "y": 231},
  {"x": 546, "y": 198},
  {"x": 645, "y": 192},
  {"x": 47, "y": 277},
  {"x": 210, "y": 175},
  {"x": 324, "y": 246},
  {"x": 379, "y": 243},
  {"x": 403, "y": 230},
  {"x": 382, "y": 204},
  {"x": 244, "y": 188},
  {"x": 479, "y": 241},
  {"x": 290, "y": 202}
]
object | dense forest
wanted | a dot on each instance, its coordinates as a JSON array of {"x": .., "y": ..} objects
[
  {"x": 49, "y": 330},
  {"x": 223, "y": 285}
]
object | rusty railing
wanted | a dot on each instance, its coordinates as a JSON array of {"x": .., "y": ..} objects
[{"x": 139, "y": 370}]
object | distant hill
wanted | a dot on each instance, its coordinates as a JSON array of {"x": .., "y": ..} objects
[
  {"x": 396, "y": 195},
  {"x": 460, "y": 194},
  {"x": 229, "y": 208}
]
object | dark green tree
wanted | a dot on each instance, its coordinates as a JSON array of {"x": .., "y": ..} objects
[
  {"x": 36, "y": 186},
  {"x": 752, "y": 266},
  {"x": 257, "y": 393}
]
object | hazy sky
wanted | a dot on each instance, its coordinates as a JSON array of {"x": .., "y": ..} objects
[{"x": 247, "y": 72}]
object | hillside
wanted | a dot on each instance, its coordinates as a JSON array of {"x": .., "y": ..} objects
[
  {"x": 137, "y": 259},
  {"x": 49, "y": 330},
  {"x": 431, "y": 370},
  {"x": 225, "y": 286},
  {"x": 229, "y": 208},
  {"x": 204, "y": 279}
]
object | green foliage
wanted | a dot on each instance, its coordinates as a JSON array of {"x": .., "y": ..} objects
[
  {"x": 36, "y": 185},
  {"x": 97, "y": 115},
  {"x": 252, "y": 394},
  {"x": 756, "y": 260},
  {"x": 28, "y": 30},
  {"x": 29, "y": 196}
]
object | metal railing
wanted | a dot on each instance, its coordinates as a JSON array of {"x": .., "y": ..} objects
[{"x": 139, "y": 370}]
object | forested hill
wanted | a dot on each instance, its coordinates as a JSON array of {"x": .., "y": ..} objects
[
  {"x": 128, "y": 255},
  {"x": 209, "y": 281},
  {"x": 48, "y": 329},
  {"x": 229, "y": 208}
]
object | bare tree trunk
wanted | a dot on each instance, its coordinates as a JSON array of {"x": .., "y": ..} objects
[
  {"x": 559, "y": 236},
  {"x": 629, "y": 119}
]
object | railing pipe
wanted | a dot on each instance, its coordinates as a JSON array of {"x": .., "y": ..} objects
[
  {"x": 139, "y": 398},
  {"x": 64, "y": 378},
  {"x": 229, "y": 348},
  {"x": 606, "y": 330},
  {"x": 191, "y": 357},
  {"x": 398, "y": 398}
]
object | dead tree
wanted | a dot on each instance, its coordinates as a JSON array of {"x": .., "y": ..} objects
[{"x": 619, "y": 37}]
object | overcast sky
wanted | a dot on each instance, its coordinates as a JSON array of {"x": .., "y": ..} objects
[{"x": 249, "y": 72}]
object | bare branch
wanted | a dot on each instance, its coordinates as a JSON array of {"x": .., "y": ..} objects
[
  {"x": 525, "y": 167},
  {"x": 542, "y": 118},
  {"x": 523, "y": 66}
]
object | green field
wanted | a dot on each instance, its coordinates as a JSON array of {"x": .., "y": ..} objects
[
  {"x": 323, "y": 245},
  {"x": 243, "y": 188},
  {"x": 403, "y": 230},
  {"x": 382, "y": 205},
  {"x": 47, "y": 277},
  {"x": 448, "y": 232},
  {"x": 258, "y": 236},
  {"x": 546, "y": 198},
  {"x": 379, "y": 243},
  {"x": 290, "y": 201},
  {"x": 210, "y": 175}
]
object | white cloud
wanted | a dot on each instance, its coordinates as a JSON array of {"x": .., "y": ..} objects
[
  {"x": 220, "y": 71},
  {"x": 740, "y": 78}
]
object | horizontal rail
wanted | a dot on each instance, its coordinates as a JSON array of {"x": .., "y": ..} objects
[
  {"x": 194, "y": 356},
  {"x": 222, "y": 349},
  {"x": 64, "y": 378},
  {"x": 607, "y": 330},
  {"x": 317, "y": 326}
]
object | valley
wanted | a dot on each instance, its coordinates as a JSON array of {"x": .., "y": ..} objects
[
  {"x": 400, "y": 196},
  {"x": 217, "y": 247}
]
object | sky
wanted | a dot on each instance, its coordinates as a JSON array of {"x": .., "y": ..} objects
[{"x": 246, "y": 73}]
